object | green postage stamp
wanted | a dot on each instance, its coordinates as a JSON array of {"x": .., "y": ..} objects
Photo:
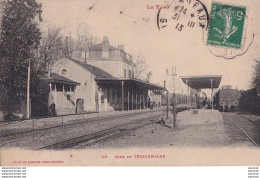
[{"x": 226, "y": 25}]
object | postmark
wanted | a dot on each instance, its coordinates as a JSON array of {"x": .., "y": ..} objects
[
  {"x": 183, "y": 15},
  {"x": 226, "y": 25}
]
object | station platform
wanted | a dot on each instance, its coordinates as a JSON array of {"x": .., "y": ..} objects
[
  {"x": 205, "y": 128},
  {"x": 202, "y": 116}
]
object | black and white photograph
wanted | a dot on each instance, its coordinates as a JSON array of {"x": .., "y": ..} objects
[{"x": 138, "y": 83}]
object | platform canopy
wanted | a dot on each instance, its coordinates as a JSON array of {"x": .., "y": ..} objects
[
  {"x": 202, "y": 81},
  {"x": 129, "y": 81}
]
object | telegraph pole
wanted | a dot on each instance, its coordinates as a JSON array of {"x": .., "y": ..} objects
[
  {"x": 174, "y": 107},
  {"x": 28, "y": 89},
  {"x": 211, "y": 84},
  {"x": 167, "y": 99},
  {"x": 1, "y": 16}
]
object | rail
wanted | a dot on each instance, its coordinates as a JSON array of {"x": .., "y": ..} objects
[
  {"x": 243, "y": 130},
  {"x": 101, "y": 135}
]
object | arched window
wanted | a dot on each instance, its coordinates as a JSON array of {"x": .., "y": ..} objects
[{"x": 64, "y": 72}]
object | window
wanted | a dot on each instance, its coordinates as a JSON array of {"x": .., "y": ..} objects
[
  {"x": 59, "y": 87},
  {"x": 64, "y": 72},
  {"x": 73, "y": 88},
  {"x": 108, "y": 94},
  {"x": 102, "y": 98},
  {"x": 125, "y": 73},
  {"x": 129, "y": 73},
  {"x": 67, "y": 87},
  {"x": 52, "y": 87}
]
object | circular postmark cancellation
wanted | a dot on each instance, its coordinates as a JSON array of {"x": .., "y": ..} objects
[
  {"x": 227, "y": 35},
  {"x": 183, "y": 15}
]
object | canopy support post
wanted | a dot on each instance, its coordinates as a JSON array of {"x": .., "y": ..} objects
[{"x": 211, "y": 83}]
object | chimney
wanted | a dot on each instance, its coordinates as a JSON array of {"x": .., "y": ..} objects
[
  {"x": 105, "y": 47},
  {"x": 67, "y": 47},
  {"x": 85, "y": 51},
  {"x": 105, "y": 38},
  {"x": 121, "y": 47}
]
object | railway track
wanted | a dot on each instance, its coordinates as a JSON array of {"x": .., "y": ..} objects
[
  {"x": 258, "y": 123},
  {"x": 75, "y": 128},
  {"x": 78, "y": 122},
  {"x": 250, "y": 128},
  {"x": 102, "y": 135}
]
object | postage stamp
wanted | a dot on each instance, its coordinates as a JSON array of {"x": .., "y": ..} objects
[{"x": 226, "y": 25}]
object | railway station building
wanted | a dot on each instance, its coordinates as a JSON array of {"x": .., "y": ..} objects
[
  {"x": 62, "y": 93},
  {"x": 104, "y": 76}
]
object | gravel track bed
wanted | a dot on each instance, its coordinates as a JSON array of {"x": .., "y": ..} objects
[
  {"x": 250, "y": 128},
  {"x": 44, "y": 137}
]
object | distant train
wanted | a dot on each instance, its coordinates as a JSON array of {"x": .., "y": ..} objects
[
  {"x": 193, "y": 100},
  {"x": 250, "y": 100},
  {"x": 227, "y": 99}
]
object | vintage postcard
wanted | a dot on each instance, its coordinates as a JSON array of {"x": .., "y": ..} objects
[{"x": 129, "y": 83}]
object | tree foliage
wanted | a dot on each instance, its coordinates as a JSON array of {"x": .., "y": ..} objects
[
  {"x": 141, "y": 71},
  {"x": 51, "y": 48},
  {"x": 20, "y": 36},
  {"x": 75, "y": 38},
  {"x": 256, "y": 74},
  {"x": 148, "y": 76},
  {"x": 140, "y": 67}
]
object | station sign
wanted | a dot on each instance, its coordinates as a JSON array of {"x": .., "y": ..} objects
[{"x": 174, "y": 84}]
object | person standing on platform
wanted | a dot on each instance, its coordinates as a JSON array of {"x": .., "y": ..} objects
[
  {"x": 149, "y": 103},
  {"x": 53, "y": 109}
]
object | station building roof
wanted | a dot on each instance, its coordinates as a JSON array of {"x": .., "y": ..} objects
[
  {"x": 95, "y": 70},
  {"x": 103, "y": 77},
  {"x": 56, "y": 78},
  {"x": 129, "y": 81},
  {"x": 99, "y": 46},
  {"x": 202, "y": 81}
]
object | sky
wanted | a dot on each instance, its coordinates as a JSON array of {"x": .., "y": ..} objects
[{"x": 131, "y": 23}]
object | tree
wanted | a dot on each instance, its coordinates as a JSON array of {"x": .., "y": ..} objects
[
  {"x": 148, "y": 76},
  {"x": 51, "y": 48},
  {"x": 83, "y": 35},
  {"x": 57, "y": 43},
  {"x": 140, "y": 67},
  {"x": 141, "y": 71},
  {"x": 75, "y": 38},
  {"x": 256, "y": 74},
  {"x": 20, "y": 36}
]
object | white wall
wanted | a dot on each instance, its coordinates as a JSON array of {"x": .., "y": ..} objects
[
  {"x": 113, "y": 67},
  {"x": 86, "y": 89}
]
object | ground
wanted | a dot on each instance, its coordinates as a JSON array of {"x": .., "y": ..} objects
[{"x": 205, "y": 129}]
